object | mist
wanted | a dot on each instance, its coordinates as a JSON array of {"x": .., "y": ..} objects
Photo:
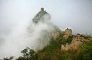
[
  {"x": 31, "y": 36},
  {"x": 26, "y": 34},
  {"x": 16, "y": 17}
]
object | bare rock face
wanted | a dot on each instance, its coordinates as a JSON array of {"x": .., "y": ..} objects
[{"x": 56, "y": 35}]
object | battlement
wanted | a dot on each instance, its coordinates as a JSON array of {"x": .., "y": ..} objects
[
  {"x": 67, "y": 33},
  {"x": 78, "y": 37}
]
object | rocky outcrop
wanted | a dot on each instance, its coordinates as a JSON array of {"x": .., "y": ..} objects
[
  {"x": 56, "y": 35},
  {"x": 78, "y": 39}
]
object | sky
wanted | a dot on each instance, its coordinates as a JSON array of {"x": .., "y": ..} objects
[{"x": 74, "y": 14}]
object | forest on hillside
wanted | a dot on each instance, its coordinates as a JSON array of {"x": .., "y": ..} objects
[{"x": 54, "y": 52}]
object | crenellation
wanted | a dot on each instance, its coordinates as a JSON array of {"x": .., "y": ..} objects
[
  {"x": 78, "y": 37},
  {"x": 76, "y": 40},
  {"x": 67, "y": 33}
]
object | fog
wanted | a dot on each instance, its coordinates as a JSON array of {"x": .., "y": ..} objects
[
  {"x": 16, "y": 16},
  {"x": 23, "y": 36},
  {"x": 76, "y": 15}
]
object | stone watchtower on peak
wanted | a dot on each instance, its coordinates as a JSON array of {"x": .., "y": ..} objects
[
  {"x": 40, "y": 16},
  {"x": 42, "y": 9},
  {"x": 67, "y": 33}
]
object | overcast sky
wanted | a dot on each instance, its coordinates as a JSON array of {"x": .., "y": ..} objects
[{"x": 74, "y": 14}]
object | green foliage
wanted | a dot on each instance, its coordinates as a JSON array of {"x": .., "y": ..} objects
[
  {"x": 69, "y": 55},
  {"x": 53, "y": 52},
  {"x": 85, "y": 51},
  {"x": 54, "y": 45},
  {"x": 10, "y": 58},
  {"x": 25, "y": 52},
  {"x": 69, "y": 39},
  {"x": 28, "y": 54}
]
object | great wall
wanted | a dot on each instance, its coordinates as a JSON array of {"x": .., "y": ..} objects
[{"x": 76, "y": 40}]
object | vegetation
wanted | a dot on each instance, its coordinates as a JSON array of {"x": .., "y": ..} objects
[
  {"x": 28, "y": 54},
  {"x": 54, "y": 52},
  {"x": 85, "y": 51},
  {"x": 10, "y": 58}
]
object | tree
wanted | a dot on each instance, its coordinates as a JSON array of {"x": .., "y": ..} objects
[{"x": 28, "y": 54}]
